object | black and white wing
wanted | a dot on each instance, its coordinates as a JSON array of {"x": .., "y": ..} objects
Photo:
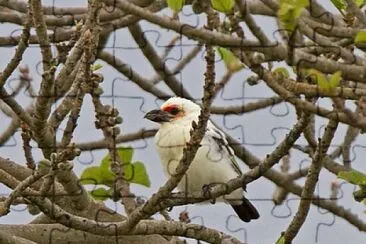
[{"x": 221, "y": 145}]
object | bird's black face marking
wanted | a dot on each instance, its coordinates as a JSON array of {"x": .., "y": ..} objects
[{"x": 158, "y": 116}]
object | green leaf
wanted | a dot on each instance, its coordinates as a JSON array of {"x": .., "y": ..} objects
[
  {"x": 323, "y": 84},
  {"x": 289, "y": 11},
  {"x": 360, "y": 37},
  {"x": 96, "y": 67},
  {"x": 359, "y": 3},
  {"x": 125, "y": 153},
  {"x": 353, "y": 177},
  {"x": 223, "y": 6},
  {"x": 282, "y": 71},
  {"x": 322, "y": 80},
  {"x": 301, "y": 3},
  {"x": 286, "y": 15},
  {"x": 335, "y": 79},
  {"x": 339, "y": 4},
  {"x": 319, "y": 78},
  {"x": 136, "y": 173},
  {"x": 281, "y": 240},
  {"x": 232, "y": 63},
  {"x": 100, "y": 194},
  {"x": 175, "y": 5},
  {"x": 96, "y": 176}
]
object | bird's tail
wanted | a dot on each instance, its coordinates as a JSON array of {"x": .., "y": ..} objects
[{"x": 246, "y": 211}]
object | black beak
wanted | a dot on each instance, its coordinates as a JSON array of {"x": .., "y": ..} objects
[{"x": 158, "y": 116}]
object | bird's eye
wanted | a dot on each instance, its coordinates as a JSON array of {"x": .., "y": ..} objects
[{"x": 174, "y": 111}]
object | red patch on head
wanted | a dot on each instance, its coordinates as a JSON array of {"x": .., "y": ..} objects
[{"x": 170, "y": 108}]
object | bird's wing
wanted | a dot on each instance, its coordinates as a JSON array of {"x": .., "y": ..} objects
[{"x": 222, "y": 145}]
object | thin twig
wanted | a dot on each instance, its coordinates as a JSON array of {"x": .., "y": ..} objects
[
  {"x": 4, "y": 209},
  {"x": 82, "y": 77},
  {"x": 15, "y": 106},
  {"x": 158, "y": 64},
  {"x": 182, "y": 63},
  {"x": 44, "y": 98},
  {"x": 310, "y": 183},
  {"x": 127, "y": 71},
  {"x": 106, "y": 121},
  {"x": 26, "y": 136},
  {"x": 22, "y": 46}
]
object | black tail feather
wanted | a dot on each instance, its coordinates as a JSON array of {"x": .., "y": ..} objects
[{"x": 246, "y": 211}]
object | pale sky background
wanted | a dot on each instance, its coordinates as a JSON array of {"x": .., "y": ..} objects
[{"x": 260, "y": 132}]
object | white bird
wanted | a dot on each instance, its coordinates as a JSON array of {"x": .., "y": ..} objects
[{"x": 214, "y": 162}]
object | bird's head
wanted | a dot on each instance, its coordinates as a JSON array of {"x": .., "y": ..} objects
[{"x": 175, "y": 110}]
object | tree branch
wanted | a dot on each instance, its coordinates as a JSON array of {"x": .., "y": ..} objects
[{"x": 310, "y": 183}]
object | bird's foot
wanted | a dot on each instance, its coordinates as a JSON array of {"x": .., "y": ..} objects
[{"x": 206, "y": 188}]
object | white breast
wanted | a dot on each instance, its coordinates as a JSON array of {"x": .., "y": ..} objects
[
  {"x": 170, "y": 141},
  {"x": 209, "y": 165}
]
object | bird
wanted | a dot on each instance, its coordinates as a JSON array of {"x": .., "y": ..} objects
[{"x": 214, "y": 162}]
